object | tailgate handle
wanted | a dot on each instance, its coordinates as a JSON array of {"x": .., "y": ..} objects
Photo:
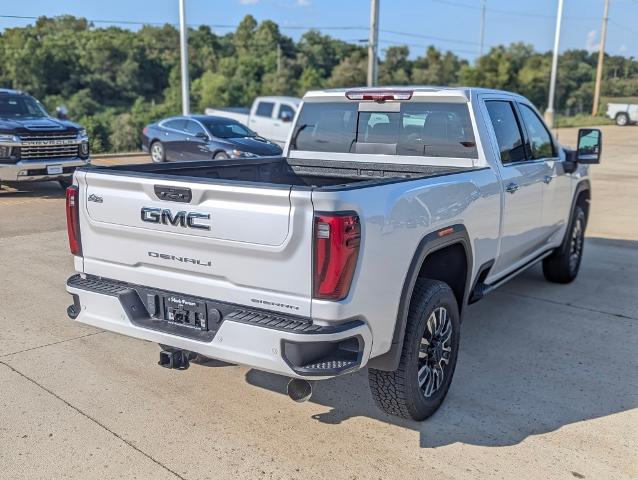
[{"x": 173, "y": 194}]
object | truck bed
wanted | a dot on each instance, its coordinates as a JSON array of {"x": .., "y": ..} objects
[{"x": 274, "y": 171}]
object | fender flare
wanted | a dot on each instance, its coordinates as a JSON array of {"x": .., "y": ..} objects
[
  {"x": 431, "y": 243},
  {"x": 582, "y": 186}
]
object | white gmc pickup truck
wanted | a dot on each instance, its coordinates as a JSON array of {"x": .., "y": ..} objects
[{"x": 390, "y": 211}]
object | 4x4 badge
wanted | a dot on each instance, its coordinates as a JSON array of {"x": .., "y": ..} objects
[{"x": 95, "y": 198}]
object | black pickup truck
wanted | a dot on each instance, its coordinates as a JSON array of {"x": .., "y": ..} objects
[{"x": 34, "y": 146}]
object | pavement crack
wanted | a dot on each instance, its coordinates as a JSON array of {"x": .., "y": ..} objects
[
  {"x": 50, "y": 344},
  {"x": 573, "y": 305},
  {"x": 92, "y": 419}
]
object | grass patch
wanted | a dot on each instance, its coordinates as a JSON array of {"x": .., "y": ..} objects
[{"x": 581, "y": 121}]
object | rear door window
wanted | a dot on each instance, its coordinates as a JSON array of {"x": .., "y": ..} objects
[
  {"x": 193, "y": 127},
  {"x": 507, "y": 130},
  {"x": 264, "y": 109},
  {"x": 427, "y": 129},
  {"x": 175, "y": 124}
]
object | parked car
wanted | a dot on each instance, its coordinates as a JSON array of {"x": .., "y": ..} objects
[
  {"x": 271, "y": 117},
  {"x": 202, "y": 137},
  {"x": 34, "y": 146},
  {"x": 391, "y": 211},
  {"x": 623, "y": 113}
]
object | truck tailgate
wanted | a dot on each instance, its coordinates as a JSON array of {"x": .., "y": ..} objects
[{"x": 249, "y": 245}]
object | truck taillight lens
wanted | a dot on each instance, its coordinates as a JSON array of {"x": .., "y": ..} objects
[
  {"x": 73, "y": 219},
  {"x": 337, "y": 237}
]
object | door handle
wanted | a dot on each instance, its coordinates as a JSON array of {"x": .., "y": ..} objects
[
  {"x": 511, "y": 188},
  {"x": 547, "y": 179}
]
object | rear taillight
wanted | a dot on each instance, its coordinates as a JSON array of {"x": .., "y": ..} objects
[
  {"x": 336, "y": 247},
  {"x": 73, "y": 219}
]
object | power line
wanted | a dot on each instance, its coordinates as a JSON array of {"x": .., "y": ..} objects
[
  {"x": 453, "y": 3},
  {"x": 281, "y": 27},
  {"x": 632, "y": 30},
  {"x": 428, "y": 37},
  {"x": 224, "y": 26},
  {"x": 413, "y": 45}
]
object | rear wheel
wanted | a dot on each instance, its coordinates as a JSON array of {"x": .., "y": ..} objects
[
  {"x": 65, "y": 183},
  {"x": 622, "y": 119},
  {"x": 158, "y": 154},
  {"x": 418, "y": 386},
  {"x": 221, "y": 156},
  {"x": 562, "y": 266}
]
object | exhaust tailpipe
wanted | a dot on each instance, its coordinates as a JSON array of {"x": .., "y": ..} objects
[{"x": 299, "y": 390}]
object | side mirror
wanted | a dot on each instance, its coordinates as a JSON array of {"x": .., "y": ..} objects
[
  {"x": 202, "y": 135},
  {"x": 61, "y": 112},
  {"x": 589, "y": 145}
]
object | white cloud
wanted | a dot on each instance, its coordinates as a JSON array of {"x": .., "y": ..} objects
[
  {"x": 303, "y": 3},
  {"x": 591, "y": 45},
  {"x": 248, "y": 2}
]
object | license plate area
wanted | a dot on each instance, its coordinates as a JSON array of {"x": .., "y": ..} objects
[
  {"x": 185, "y": 311},
  {"x": 54, "y": 169},
  {"x": 174, "y": 313}
]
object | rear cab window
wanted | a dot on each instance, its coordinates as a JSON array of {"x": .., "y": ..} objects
[{"x": 417, "y": 128}]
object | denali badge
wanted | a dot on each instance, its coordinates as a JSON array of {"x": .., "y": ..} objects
[
  {"x": 194, "y": 261},
  {"x": 179, "y": 219},
  {"x": 95, "y": 198}
]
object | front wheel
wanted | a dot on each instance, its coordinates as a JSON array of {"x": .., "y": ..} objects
[
  {"x": 416, "y": 389},
  {"x": 622, "y": 119},
  {"x": 158, "y": 154},
  {"x": 562, "y": 266},
  {"x": 221, "y": 156}
]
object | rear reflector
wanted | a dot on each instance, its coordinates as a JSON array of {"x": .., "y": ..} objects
[
  {"x": 379, "y": 95},
  {"x": 336, "y": 248},
  {"x": 73, "y": 219}
]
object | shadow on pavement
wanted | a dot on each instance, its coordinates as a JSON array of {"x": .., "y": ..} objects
[
  {"x": 527, "y": 366},
  {"x": 31, "y": 190}
]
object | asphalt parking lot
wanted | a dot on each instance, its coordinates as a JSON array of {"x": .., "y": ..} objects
[{"x": 546, "y": 385}]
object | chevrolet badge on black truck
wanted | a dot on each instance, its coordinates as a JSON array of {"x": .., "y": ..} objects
[
  {"x": 390, "y": 211},
  {"x": 35, "y": 146}
]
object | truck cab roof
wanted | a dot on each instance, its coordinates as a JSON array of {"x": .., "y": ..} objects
[{"x": 416, "y": 90}]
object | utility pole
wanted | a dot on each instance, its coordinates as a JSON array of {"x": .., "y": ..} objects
[
  {"x": 373, "y": 44},
  {"x": 601, "y": 59},
  {"x": 482, "y": 41},
  {"x": 549, "y": 113},
  {"x": 183, "y": 49}
]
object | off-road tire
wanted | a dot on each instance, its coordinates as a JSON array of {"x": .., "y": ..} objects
[
  {"x": 561, "y": 266},
  {"x": 398, "y": 392}
]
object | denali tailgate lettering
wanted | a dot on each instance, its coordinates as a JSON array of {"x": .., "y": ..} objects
[{"x": 194, "y": 261}]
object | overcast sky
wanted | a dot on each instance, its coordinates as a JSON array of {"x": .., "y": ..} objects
[{"x": 447, "y": 24}]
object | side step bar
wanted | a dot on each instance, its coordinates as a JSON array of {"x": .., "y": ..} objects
[{"x": 481, "y": 288}]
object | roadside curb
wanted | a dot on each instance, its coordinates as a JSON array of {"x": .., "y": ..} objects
[{"x": 119, "y": 155}]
